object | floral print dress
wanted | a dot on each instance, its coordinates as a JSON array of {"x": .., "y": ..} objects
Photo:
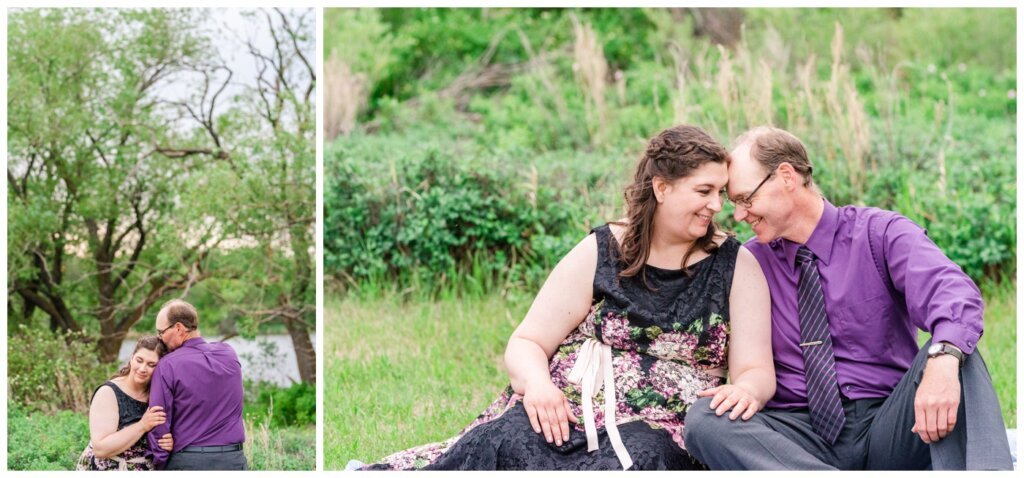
[{"x": 666, "y": 345}]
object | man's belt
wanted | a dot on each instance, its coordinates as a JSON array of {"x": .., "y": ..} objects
[{"x": 211, "y": 449}]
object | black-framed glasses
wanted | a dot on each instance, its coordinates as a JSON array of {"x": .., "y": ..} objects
[
  {"x": 749, "y": 199},
  {"x": 160, "y": 333}
]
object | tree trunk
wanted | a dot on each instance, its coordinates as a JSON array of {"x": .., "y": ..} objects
[
  {"x": 305, "y": 353},
  {"x": 109, "y": 346}
]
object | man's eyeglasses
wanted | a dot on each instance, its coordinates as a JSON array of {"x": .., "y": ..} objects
[
  {"x": 160, "y": 333},
  {"x": 749, "y": 199}
]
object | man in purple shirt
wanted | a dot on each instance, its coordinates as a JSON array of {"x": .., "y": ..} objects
[
  {"x": 850, "y": 288},
  {"x": 199, "y": 386}
]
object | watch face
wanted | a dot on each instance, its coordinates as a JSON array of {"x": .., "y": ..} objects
[{"x": 934, "y": 349}]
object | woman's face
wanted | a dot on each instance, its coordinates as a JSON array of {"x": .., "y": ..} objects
[
  {"x": 690, "y": 203},
  {"x": 142, "y": 364}
]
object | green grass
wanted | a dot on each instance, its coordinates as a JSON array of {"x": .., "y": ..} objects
[
  {"x": 38, "y": 441},
  {"x": 404, "y": 371},
  {"x": 282, "y": 448},
  {"x": 403, "y": 374},
  {"x": 999, "y": 344}
]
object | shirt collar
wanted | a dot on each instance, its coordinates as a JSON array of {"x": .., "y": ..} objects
[
  {"x": 193, "y": 342},
  {"x": 820, "y": 242}
]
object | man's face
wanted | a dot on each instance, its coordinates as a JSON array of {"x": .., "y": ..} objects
[
  {"x": 749, "y": 182},
  {"x": 171, "y": 335}
]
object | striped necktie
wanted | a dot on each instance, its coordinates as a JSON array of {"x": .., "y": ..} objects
[{"x": 826, "y": 408}]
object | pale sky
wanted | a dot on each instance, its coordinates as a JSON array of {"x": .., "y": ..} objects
[{"x": 229, "y": 30}]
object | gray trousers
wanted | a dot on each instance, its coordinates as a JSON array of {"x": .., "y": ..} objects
[
  {"x": 224, "y": 460},
  {"x": 876, "y": 436}
]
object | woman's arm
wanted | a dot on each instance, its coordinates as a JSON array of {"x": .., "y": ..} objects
[
  {"x": 107, "y": 440},
  {"x": 561, "y": 305},
  {"x": 751, "y": 367}
]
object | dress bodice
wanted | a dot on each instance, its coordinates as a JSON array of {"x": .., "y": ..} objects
[{"x": 129, "y": 410}]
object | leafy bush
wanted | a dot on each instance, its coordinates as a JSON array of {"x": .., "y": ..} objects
[
  {"x": 440, "y": 210},
  {"x": 37, "y": 441},
  {"x": 51, "y": 371},
  {"x": 280, "y": 407},
  {"x": 498, "y": 183}
]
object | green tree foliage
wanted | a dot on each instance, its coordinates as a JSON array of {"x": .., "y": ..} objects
[
  {"x": 92, "y": 173},
  {"x": 121, "y": 197},
  {"x": 272, "y": 128}
]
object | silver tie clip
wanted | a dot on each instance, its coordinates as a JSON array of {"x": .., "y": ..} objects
[{"x": 808, "y": 344}]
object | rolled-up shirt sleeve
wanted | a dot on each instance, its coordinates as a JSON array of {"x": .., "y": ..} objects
[
  {"x": 940, "y": 297},
  {"x": 160, "y": 395}
]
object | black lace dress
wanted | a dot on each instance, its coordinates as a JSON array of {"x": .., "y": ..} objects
[
  {"x": 129, "y": 411},
  {"x": 664, "y": 346}
]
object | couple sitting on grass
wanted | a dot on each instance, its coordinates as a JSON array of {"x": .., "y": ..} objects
[
  {"x": 183, "y": 414},
  {"x": 660, "y": 342}
]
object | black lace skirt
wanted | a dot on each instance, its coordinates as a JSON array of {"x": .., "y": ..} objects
[{"x": 509, "y": 443}]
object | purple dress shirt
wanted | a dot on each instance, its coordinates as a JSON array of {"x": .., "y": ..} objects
[
  {"x": 200, "y": 387},
  {"x": 873, "y": 321}
]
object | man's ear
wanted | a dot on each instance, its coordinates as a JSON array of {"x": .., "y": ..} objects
[{"x": 789, "y": 176}]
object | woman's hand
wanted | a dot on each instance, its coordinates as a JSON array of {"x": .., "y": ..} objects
[
  {"x": 154, "y": 416},
  {"x": 549, "y": 411},
  {"x": 166, "y": 442},
  {"x": 740, "y": 400}
]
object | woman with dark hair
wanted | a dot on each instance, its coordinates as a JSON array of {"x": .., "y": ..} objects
[
  {"x": 119, "y": 415},
  {"x": 634, "y": 324}
]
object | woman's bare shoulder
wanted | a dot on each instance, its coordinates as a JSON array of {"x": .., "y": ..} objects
[
  {"x": 104, "y": 396},
  {"x": 720, "y": 237},
  {"x": 618, "y": 229}
]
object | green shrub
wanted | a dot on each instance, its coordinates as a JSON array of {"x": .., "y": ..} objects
[
  {"x": 50, "y": 371},
  {"x": 433, "y": 211},
  {"x": 280, "y": 407},
  {"x": 496, "y": 185},
  {"x": 37, "y": 441}
]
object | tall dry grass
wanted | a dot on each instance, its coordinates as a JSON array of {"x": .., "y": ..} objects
[
  {"x": 540, "y": 74},
  {"x": 846, "y": 112},
  {"x": 826, "y": 112},
  {"x": 591, "y": 69},
  {"x": 345, "y": 95}
]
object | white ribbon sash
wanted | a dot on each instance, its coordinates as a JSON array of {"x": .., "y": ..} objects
[{"x": 592, "y": 368}]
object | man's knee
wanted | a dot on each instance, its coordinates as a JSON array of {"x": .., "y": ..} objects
[{"x": 702, "y": 425}]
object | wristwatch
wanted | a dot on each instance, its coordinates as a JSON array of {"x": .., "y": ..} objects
[{"x": 943, "y": 348}]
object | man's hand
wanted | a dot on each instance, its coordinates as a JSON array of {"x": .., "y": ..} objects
[
  {"x": 937, "y": 399},
  {"x": 166, "y": 442}
]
